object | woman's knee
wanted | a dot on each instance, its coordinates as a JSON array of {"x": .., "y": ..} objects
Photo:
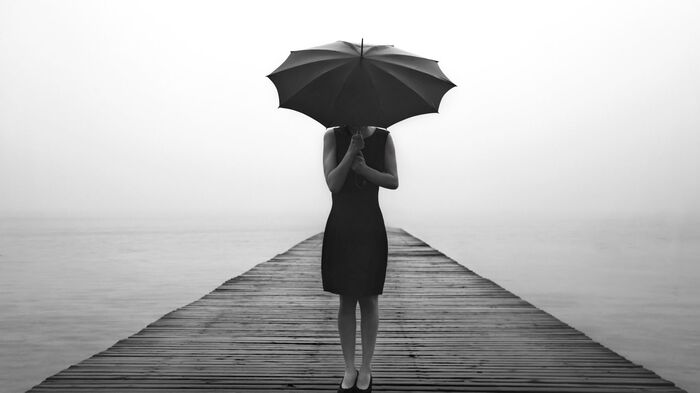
[
  {"x": 369, "y": 301},
  {"x": 348, "y": 303}
]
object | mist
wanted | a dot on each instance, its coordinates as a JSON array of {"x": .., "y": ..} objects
[{"x": 147, "y": 108}]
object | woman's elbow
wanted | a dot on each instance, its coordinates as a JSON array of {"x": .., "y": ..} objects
[
  {"x": 394, "y": 184},
  {"x": 333, "y": 187}
]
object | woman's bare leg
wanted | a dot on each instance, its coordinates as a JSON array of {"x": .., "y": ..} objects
[
  {"x": 346, "y": 328},
  {"x": 369, "y": 323}
]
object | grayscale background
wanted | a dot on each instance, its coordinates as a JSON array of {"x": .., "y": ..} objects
[{"x": 144, "y": 161}]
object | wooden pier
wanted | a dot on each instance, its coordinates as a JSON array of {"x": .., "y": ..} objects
[{"x": 442, "y": 328}]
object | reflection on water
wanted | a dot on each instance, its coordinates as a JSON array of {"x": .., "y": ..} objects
[{"x": 71, "y": 288}]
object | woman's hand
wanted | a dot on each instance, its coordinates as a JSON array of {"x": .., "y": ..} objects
[
  {"x": 356, "y": 144},
  {"x": 358, "y": 163},
  {"x": 389, "y": 178}
]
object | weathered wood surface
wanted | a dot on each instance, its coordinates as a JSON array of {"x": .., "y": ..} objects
[{"x": 442, "y": 328}]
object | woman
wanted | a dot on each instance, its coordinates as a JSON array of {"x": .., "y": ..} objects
[{"x": 357, "y": 160}]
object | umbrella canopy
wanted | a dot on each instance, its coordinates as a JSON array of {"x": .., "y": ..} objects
[{"x": 344, "y": 83}]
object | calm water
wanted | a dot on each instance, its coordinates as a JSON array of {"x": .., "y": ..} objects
[
  {"x": 629, "y": 283},
  {"x": 71, "y": 288}
]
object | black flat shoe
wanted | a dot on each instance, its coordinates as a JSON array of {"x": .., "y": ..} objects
[
  {"x": 369, "y": 387},
  {"x": 341, "y": 389}
]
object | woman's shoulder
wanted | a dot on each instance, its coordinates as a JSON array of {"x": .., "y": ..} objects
[
  {"x": 330, "y": 131},
  {"x": 383, "y": 132},
  {"x": 332, "y": 134},
  {"x": 329, "y": 137}
]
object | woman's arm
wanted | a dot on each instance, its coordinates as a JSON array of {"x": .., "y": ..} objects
[
  {"x": 336, "y": 174},
  {"x": 388, "y": 179}
]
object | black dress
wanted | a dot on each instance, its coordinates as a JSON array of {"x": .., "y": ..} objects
[{"x": 354, "y": 251}]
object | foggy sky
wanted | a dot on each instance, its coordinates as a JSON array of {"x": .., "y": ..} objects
[{"x": 163, "y": 107}]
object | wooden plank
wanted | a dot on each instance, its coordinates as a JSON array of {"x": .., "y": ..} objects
[{"x": 442, "y": 328}]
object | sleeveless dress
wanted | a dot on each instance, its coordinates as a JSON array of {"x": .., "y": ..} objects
[{"x": 355, "y": 247}]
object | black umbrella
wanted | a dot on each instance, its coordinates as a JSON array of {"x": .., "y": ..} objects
[{"x": 343, "y": 83}]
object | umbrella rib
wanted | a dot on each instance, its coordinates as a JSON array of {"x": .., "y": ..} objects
[
  {"x": 342, "y": 87},
  {"x": 351, "y": 46},
  {"x": 305, "y": 64},
  {"x": 377, "y": 59},
  {"x": 309, "y": 82},
  {"x": 375, "y": 48},
  {"x": 412, "y": 56},
  {"x": 326, "y": 50},
  {"x": 404, "y": 84}
]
